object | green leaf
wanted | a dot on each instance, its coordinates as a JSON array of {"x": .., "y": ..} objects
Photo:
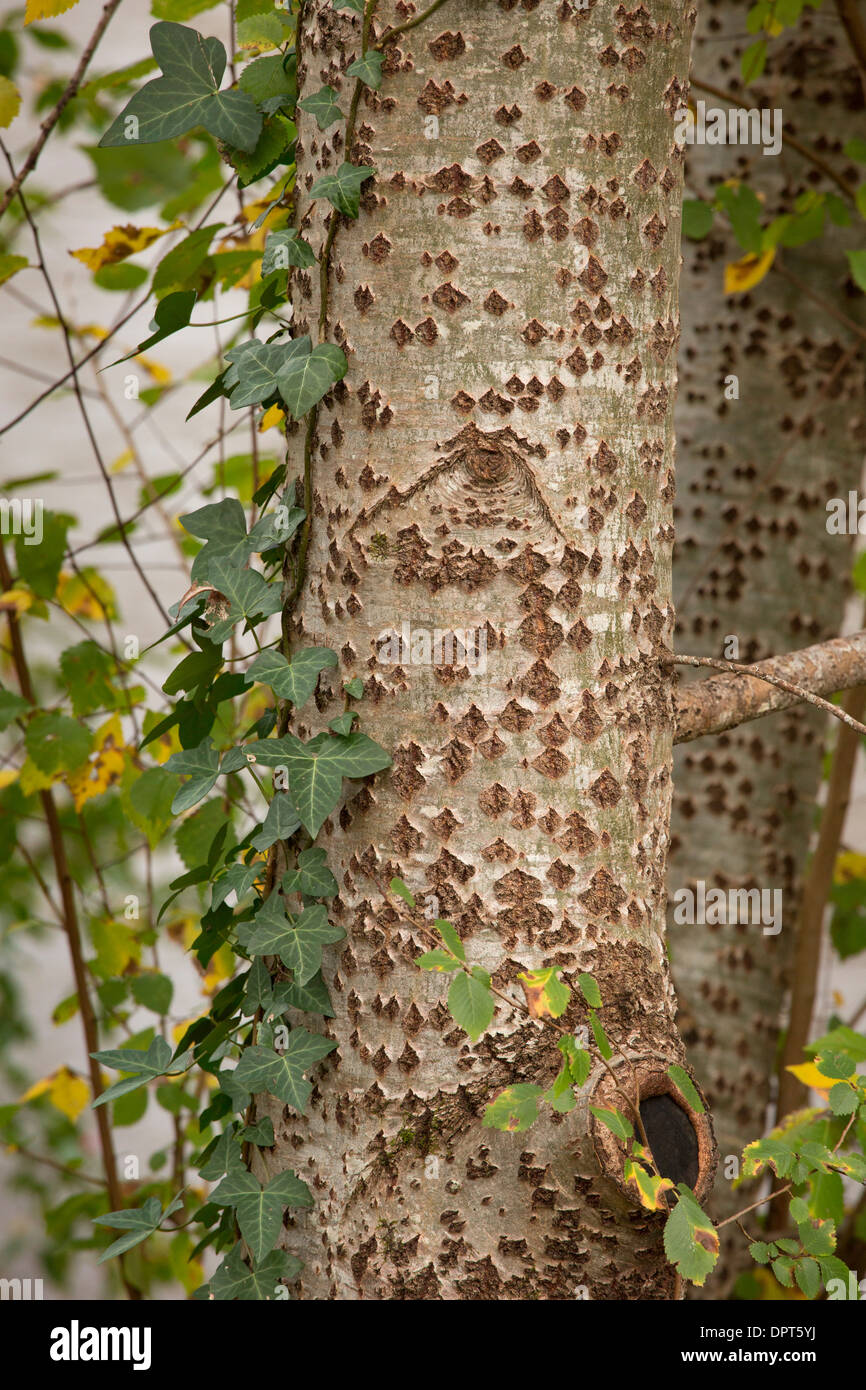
[
  {"x": 754, "y": 60},
  {"x": 368, "y": 69},
  {"x": 690, "y": 1239},
  {"x": 144, "y": 1066},
  {"x": 355, "y": 5},
  {"x": 304, "y": 378},
  {"x": 857, "y": 262},
  {"x": 686, "y": 1088},
  {"x": 354, "y": 687},
  {"x": 293, "y": 680},
  {"x": 514, "y": 1109},
  {"x": 590, "y": 990},
  {"x": 844, "y": 1098},
  {"x": 324, "y": 106},
  {"x": 760, "y": 1252},
  {"x": 252, "y": 375},
  {"x": 398, "y": 886},
  {"x": 286, "y": 248},
  {"x": 312, "y": 997},
  {"x": 275, "y": 145},
  {"x": 601, "y": 1038},
  {"x": 312, "y": 877},
  {"x": 171, "y": 314},
  {"x": 10, "y": 265},
  {"x": 138, "y": 1222},
  {"x": 250, "y": 597},
  {"x": 11, "y": 706},
  {"x": 86, "y": 671},
  {"x": 40, "y": 564},
  {"x": 437, "y": 960},
  {"x": 183, "y": 261},
  {"x": 808, "y": 1276},
  {"x": 282, "y": 1074},
  {"x": 342, "y": 189},
  {"x": 451, "y": 939},
  {"x": 233, "y": 1280},
  {"x": 614, "y": 1121},
  {"x": 298, "y": 942},
  {"x": 153, "y": 991},
  {"x": 267, "y": 79},
  {"x": 202, "y": 766},
  {"x": 316, "y": 769},
  {"x": 280, "y": 822},
  {"x": 470, "y": 1004},
  {"x": 186, "y": 95},
  {"x": 697, "y": 218},
  {"x": 239, "y": 879},
  {"x": 260, "y": 1209},
  {"x": 57, "y": 743}
]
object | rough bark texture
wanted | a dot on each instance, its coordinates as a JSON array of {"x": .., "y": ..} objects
[
  {"x": 499, "y": 457},
  {"x": 753, "y": 557}
]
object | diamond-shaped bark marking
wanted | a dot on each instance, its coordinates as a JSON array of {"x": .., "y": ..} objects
[
  {"x": 514, "y": 58},
  {"x": 448, "y": 866},
  {"x": 556, "y": 190},
  {"x": 492, "y": 747},
  {"x": 555, "y": 733},
  {"x": 380, "y": 1062},
  {"x": 379, "y": 248},
  {"x": 636, "y": 510},
  {"x": 515, "y": 718},
  {"x": 577, "y": 835},
  {"x": 528, "y": 153},
  {"x": 587, "y": 231},
  {"x": 404, "y": 775},
  {"x": 560, "y": 874},
  {"x": 401, "y": 333},
  {"x": 608, "y": 57},
  {"x": 408, "y": 1059},
  {"x": 528, "y": 565},
  {"x": 551, "y": 763},
  {"x": 605, "y": 459},
  {"x": 434, "y": 99},
  {"x": 535, "y": 387},
  {"x": 520, "y": 188},
  {"x": 456, "y": 759},
  {"x": 447, "y": 46},
  {"x": 579, "y": 636},
  {"x": 534, "y": 332},
  {"x": 540, "y": 684},
  {"x": 490, "y": 151},
  {"x": 659, "y": 282},
  {"x": 551, "y": 821},
  {"x": 448, "y": 297},
  {"x": 507, "y": 115},
  {"x": 606, "y": 790},
  {"x": 404, "y": 837},
  {"x": 458, "y": 207},
  {"x": 588, "y": 724},
  {"x": 451, "y": 178},
  {"x": 499, "y": 852},
  {"x": 645, "y": 176},
  {"x": 545, "y": 91},
  {"x": 539, "y": 633},
  {"x": 535, "y": 598},
  {"x": 593, "y": 277},
  {"x": 413, "y": 1019},
  {"x": 495, "y": 303},
  {"x": 523, "y": 807},
  {"x": 591, "y": 334},
  {"x": 472, "y": 725},
  {"x": 576, "y": 362},
  {"x": 555, "y": 389},
  {"x": 655, "y": 230},
  {"x": 518, "y": 887},
  {"x": 576, "y": 99},
  {"x": 533, "y": 227},
  {"x": 363, "y": 297},
  {"x": 497, "y": 405},
  {"x": 446, "y": 262},
  {"x": 494, "y": 800},
  {"x": 445, "y": 823},
  {"x": 463, "y": 402},
  {"x": 514, "y": 386},
  {"x": 603, "y": 897},
  {"x": 570, "y": 594},
  {"x": 427, "y": 331}
]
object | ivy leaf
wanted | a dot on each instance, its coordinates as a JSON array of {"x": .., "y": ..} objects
[
  {"x": 282, "y": 1073},
  {"x": 293, "y": 680},
  {"x": 324, "y": 106},
  {"x": 234, "y": 1280},
  {"x": 342, "y": 189},
  {"x": 260, "y": 1209},
  {"x": 356, "y": 5},
  {"x": 690, "y": 1239},
  {"x": 138, "y": 1222},
  {"x": 514, "y": 1109},
  {"x": 312, "y": 997},
  {"x": 316, "y": 769},
  {"x": 286, "y": 248},
  {"x": 144, "y": 1066},
  {"x": 312, "y": 877},
  {"x": 470, "y": 1004},
  {"x": 304, "y": 377},
  {"x": 252, "y": 375},
  {"x": 186, "y": 95},
  {"x": 368, "y": 69},
  {"x": 170, "y": 315},
  {"x": 280, "y": 822},
  {"x": 298, "y": 942},
  {"x": 202, "y": 766},
  {"x": 250, "y": 597}
]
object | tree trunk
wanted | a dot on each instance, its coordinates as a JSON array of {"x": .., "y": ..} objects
[
  {"x": 753, "y": 556},
  {"x": 499, "y": 458}
]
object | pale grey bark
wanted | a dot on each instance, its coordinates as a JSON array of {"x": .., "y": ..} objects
[{"x": 499, "y": 457}]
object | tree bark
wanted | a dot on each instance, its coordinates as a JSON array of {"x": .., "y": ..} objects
[{"x": 499, "y": 458}]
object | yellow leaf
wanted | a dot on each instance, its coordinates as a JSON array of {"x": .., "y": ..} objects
[
  {"x": 86, "y": 594},
  {"x": 32, "y": 780},
  {"x": 10, "y": 102},
  {"x": 849, "y": 865},
  {"x": 160, "y": 374},
  {"x": 70, "y": 1094},
  {"x": 122, "y": 461},
  {"x": 16, "y": 601},
  {"x": 179, "y": 1029},
  {"x": 116, "y": 947},
  {"x": 272, "y": 417},
  {"x": 742, "y": 275},
  {"x": 810, "y": 1076},
  {"x": 46, "y": 9},
  {"x": 119, "y": 243},
  {"x": 7, "y": 776},
  {"x": 37, "y": 1089},
  {"x": 105, "y": 766}
]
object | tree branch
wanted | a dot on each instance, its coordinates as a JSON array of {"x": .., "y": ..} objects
[{"x": 748, "y": 692}]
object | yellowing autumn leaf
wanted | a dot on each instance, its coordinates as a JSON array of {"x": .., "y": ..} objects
[
  {"x": 10, "y": 102},
  {"x": 650, "y": 1189},
  {"x": 220, "y": 968},
  {"x": 7, "y": 776},
  {"x": 546, "y": 996},
  {"x": 160, "y": 374},
  {"x": 46, "y": 9},
  {"x": 742, "y": 275},
  {"x": 85, "y": 595},
  {"x": 849, "y": 865},
  {"x": 272, "y": 417},
  {"x": 105, "y": 766},
  {"x": 67, "y": 1092},
  {"x": 16, "y": 601},
  {"x": 810, "y": 1076},
  {"x": 119, "y": 243},
  {"x": 32, "y": 780}
]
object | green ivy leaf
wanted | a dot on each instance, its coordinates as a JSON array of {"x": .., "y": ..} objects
[
  {"x": 282, "y": 1073},
  {"x": 250, "y": 597},
  {"x": 286, "y": 248},
  {"x": 342, "y": 189},
  {"x": 316, "y": 769},
  {"x": 201, "y": 764},
  {"x": 260, "y": 1209},
  {"x": 234, "y": 1280},
  {"x": 368, "y": 69},
  {"x": 293, "y": 680},
  {"x": 324, "y": 106},
  {"x": 153, "y": 991},
  {"x": 280, "y": 822},
  {"x": 305, "y": 377},
  {"x": 186, "y": 95},
  {"x": 138, "y": 1222},
  {"x": 297, "y": 941},
  {"x": 312, "y": 877},
  {"x": 470, "y": 1004},
  {"x": 144, "y": 1066}
]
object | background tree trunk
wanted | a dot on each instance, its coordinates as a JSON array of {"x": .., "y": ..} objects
[
  {"x": 753, "y": 556},
  {"x": 498, "y": 458}
]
